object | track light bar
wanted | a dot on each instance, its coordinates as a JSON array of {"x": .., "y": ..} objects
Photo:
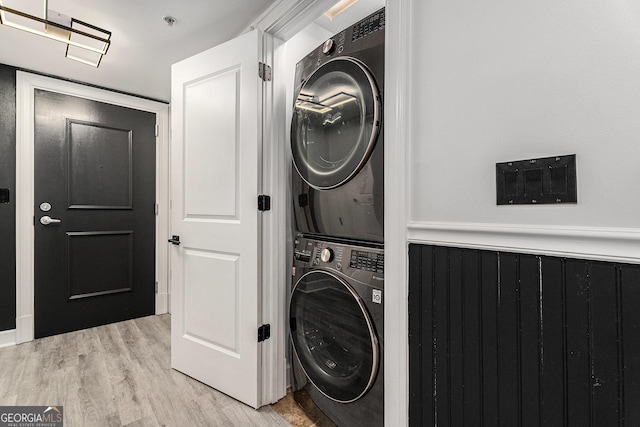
[{"x": 86, "y": 43}]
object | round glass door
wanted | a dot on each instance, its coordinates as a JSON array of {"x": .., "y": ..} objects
[
  {"x": 333, "y": 336},
  {"x": 335, "y": 124}
]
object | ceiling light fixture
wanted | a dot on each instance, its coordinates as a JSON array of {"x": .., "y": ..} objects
[
  {"x": 86, "y": 43},
  {"x": 338, "y": 8}
]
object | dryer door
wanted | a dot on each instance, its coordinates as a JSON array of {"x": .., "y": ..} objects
[
  {"x": 333, "y": 336},
  {"x": 335, "y": 124}
]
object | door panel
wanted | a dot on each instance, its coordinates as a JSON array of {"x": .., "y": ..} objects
[
  {"x": 211, "y": 178},
  {"x": 209, "y": 305},
  {"x": 100, "y": 263},
  {"x": 215, "y": 164},
  {"x": 95, "y": 168},
  {"x": 99, "y": 167}
]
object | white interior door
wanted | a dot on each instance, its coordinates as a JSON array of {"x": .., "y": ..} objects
[{"x": 216, "y": 164}]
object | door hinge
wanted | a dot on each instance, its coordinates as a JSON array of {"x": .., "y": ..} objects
[
  {"x": 264, "y": 71},
  {"x": 156, "y": 286},
  {"x": 264, "y": 203},
  {"x": 156, "y": 208},
  {"x": 264, "y": 332},
  {"x": 157, "y": 130}
]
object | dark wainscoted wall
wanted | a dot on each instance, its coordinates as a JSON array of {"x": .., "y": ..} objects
[
  {"x": 8, "y": 210},
  {"x": 522, "y": 340}
]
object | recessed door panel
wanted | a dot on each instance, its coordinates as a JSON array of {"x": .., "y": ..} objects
[
  {"x": 100, "y": 162},
  {"x": 100, "y": 263},
  {"x": 211, "y": 146},
  {"x": 211, "y": 299}
]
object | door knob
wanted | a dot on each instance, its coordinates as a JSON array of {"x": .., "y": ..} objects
[{"x": 46, "y": 220}]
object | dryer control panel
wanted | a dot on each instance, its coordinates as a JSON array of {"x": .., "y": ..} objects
[
  {"x": 364, "y": 35},
  {"x": 368, "y": 261}
]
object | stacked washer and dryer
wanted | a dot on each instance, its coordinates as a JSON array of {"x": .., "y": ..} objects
[{"x": 336, "y": 302}]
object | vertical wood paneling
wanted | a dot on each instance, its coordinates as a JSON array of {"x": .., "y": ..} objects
[
  {"x": 456, "y": 332},
  {"x": 472, "y": 338},
  {"x": 441, "y": 342},
  {"x": 428, "y": 367},
  {"x": 530, "y": 338},
  {"x": 418, "y": 387},
  {"x": 521, "y": 340},
  {"x": 489, "y": 344},
  {"x": 553, "y": 381},
  {"x": 630, "y": 342},
  {"x": 604, "y": 345},
  {"x": 578, "y": 331},
  {"x": 509, "y": 342}
]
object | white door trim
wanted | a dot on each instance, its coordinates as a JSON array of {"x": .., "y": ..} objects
[
  {"x": 25, "y": 90},
  {"x": 274, "y": 230},
  {"x": 398, "y": 119}
]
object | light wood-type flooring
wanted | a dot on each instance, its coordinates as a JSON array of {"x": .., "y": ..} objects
[{"x": 118, "y": 375}]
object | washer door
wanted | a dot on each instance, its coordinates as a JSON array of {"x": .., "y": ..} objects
[
  {"x": 333, "y": 336},
  {"x": 335, "y": 124}
]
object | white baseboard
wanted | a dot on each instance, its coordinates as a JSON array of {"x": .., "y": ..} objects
[
  {"x": 602, "y": 244},
  {"x": 7, "y": 338},
  {"x": 24, "y": 329},
  {"x": 162, "y": 303}
]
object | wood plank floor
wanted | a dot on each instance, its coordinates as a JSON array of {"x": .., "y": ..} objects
[{"x": 118, "y": 375}]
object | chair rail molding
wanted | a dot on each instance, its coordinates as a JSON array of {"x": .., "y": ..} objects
[{"x": 596, "y": 243}]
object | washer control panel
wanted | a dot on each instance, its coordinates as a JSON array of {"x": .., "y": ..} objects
[
  {"x": 368, "y": 261},
  {"x": 342, "y": 257}
]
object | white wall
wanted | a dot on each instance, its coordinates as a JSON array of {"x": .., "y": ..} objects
[{"x": 495, "y": 81}]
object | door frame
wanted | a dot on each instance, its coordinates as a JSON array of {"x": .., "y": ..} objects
[
  {"x": 26, "y": 85},
  {"x": 285, "y": 19}
]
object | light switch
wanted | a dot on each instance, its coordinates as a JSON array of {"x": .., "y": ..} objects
[{"x": 537, "y": 181}]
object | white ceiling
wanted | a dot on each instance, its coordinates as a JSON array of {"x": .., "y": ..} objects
[{"x": 143, "y": 46}]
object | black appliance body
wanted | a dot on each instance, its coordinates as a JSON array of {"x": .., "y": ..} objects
[
  {"x": 337, "y": 136},
  {"x": 336, "y": 323}
]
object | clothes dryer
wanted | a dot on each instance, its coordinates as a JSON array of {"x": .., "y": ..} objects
[
  {"x": 336, "y": 135},
  {"x": 336, "y": 329}
]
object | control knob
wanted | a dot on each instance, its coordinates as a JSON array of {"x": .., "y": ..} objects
[
  {"x": 326, "y": 255},
  {"x": 328, "y": 47}
]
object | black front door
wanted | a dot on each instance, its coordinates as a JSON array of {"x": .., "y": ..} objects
[{"x": 94, "y": 222}]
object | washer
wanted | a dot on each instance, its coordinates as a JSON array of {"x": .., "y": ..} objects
[
  {"x": 336, "y": 135},
  {"x": 336, "y": 329}
]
